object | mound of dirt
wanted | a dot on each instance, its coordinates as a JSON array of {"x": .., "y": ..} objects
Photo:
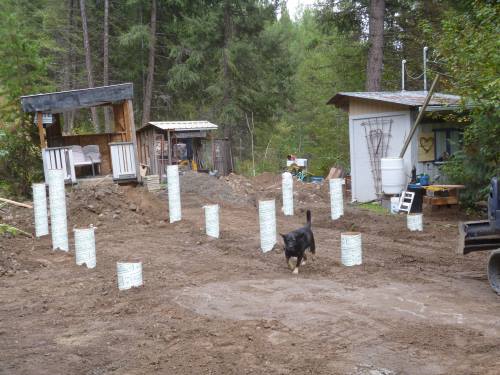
[
  {"x": 99, "y": 205},
  {"x": 230, "y": 190}
]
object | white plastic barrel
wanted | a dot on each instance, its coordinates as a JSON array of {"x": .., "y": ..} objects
[
  {"x": 350, "y": 247},
  {"x": 129, "y": 274},
  {"x": 287, "y": 188},
  {"x": 393, "y": 175},
  {"x": 57, "y": 201},
  {"x": 40, "y": 209},
  {"x": 85, "y": 247},
  {"x": 414, "y": 222},
  {"x": 212, "y": 220},
  {"x": 174, "y": 193},
  {"x": 267, "y": 222},
  {"x": 336, "y": 198},
  {"x": 394, "y": 205}
]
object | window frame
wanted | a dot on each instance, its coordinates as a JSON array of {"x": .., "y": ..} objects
[{"x": 447, "y": 135}]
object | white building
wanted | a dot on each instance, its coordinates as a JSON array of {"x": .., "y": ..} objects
[{"x": 379, "y": 123}]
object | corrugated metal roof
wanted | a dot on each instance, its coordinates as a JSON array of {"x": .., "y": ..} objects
[
  {"x": 408, "y": 98},
  {"x": 182, "y": 125}
]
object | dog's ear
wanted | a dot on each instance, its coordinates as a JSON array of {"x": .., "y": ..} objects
[{"x": 283, "y": 235}]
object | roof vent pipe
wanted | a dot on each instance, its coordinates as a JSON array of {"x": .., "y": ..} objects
[
  {"x": 425, "y": 68},
  {"x": 403, "y": 63}
]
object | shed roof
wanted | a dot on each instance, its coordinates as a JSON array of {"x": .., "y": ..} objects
[
  {"x": 408, "y": 98},
  {"x": 57, "y": 102},
  {"x": 181, "y": 125}
]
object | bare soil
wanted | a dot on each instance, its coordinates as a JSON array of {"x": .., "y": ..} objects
[{"x": 220, "y": 306}]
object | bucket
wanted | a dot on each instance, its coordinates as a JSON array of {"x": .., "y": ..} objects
[
  {"x": 267, "y": 223},
  {"x": 393, "y": 175},
  {"x": 394, "y": 205},
  {"x": 85, "y": 247},
  {"x": 414, "y": 222},
  {"x": 212, "y": 220},
  {"x": 40, "y": 210},
  {"x": 336, "y": 198},
  {"x": 350, "y": 247},
  {"x": 287, "y": 188},
  {"x": 174, "y": 193},
  {"x": 129, "y": 274},
  {"x": 423, "y": 179},
  {"x": 57, "y": 201}
]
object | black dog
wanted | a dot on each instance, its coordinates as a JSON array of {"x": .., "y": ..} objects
[{"x": 297, "y": 242}]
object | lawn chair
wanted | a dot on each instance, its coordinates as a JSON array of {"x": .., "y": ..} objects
[
  {"x": 92, "y": 153},
  {"x": 79, "y": 159}
]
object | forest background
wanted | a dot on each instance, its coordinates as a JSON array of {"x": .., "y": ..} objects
[{"x": 229, "y": 62}]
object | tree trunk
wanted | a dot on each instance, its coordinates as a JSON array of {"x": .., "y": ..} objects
[
  {"x": 68, "y": 58},
  {"x": 105, "y": 58},
  {"x": 228, "y": 34},
  {"x": 376, "y": 42},
  {"x": 148, "y": 94},
  {"x": 88, "y": 59}
]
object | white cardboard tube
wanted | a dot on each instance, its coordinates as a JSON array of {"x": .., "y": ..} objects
[
  {"x": 85, "y": 247},
  {"x": 287, "y": 188},
  {"x": 57, "y": 201},
  {"x": 351, "y": 248},
  {"x": 212, "y": 220},
  {"x": 267, "y": 222},
  {"x": 174, "y": 193},
  {"x": 129, "y": 274},
  {"x": 40, "y": 209},
  {"x": 414, "y": 222},
  {"x": 336, "y": 198}
]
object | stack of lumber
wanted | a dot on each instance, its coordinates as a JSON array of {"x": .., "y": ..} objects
[{"x": 152, "y": 182}]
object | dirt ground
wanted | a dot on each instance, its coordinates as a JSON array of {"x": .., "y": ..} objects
[{"x": 220, "y": 306}]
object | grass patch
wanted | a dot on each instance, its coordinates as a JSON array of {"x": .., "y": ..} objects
[
  {"x": 374, "y": 207},
  {"x": 13, "y": 231}
]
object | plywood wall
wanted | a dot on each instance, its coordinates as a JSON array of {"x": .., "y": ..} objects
[{"x": 359, "y": 107}]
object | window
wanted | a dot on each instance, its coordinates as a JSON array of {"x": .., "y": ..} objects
[{"x": 447, "y": 142}]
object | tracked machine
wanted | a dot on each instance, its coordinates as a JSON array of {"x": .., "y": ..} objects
[{"x": 485, "y": 235}]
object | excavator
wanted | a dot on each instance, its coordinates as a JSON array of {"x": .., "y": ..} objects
[{"x": 485, "y": 235}]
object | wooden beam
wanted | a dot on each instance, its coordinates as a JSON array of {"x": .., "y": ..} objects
[
  {"x": 41, "y": 130},
  {"x": 419, "y": 117},
  {"x": 16, "y": 203}
]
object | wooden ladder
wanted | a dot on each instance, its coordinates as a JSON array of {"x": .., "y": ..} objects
[{"x": 406, "y": 201}]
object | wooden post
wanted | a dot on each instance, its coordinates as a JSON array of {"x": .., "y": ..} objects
[
  {"x": 169, "y": 148},
  {"x": 131, "y": 136},
  {"x": 162, "y": 151},
  {"x": 41, "y": 130},
  {"x": 119, "y": 121}
]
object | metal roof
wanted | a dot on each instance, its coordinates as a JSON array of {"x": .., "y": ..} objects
[
  {"x": 57, "y": 102},
  {"x": 182, "y": 125},
  {"x": 407, "y": 98}
]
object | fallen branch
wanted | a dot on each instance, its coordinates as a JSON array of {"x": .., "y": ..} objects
[{"x": 15, "y": 203}]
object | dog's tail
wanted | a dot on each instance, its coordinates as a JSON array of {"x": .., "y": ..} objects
[{"x": 308, "y": 216}]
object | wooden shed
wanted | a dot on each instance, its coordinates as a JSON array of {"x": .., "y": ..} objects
[
  {"x": 378, "y": 125},
  {"x": 112, "y": 153},
  {"x": 189, "y": 143}
]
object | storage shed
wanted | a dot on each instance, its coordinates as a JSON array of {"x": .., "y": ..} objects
[
  {"x": 378, "y": 125},
  {"x": 189, "y": 143},
  {"x": 105, "y": 153}
]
